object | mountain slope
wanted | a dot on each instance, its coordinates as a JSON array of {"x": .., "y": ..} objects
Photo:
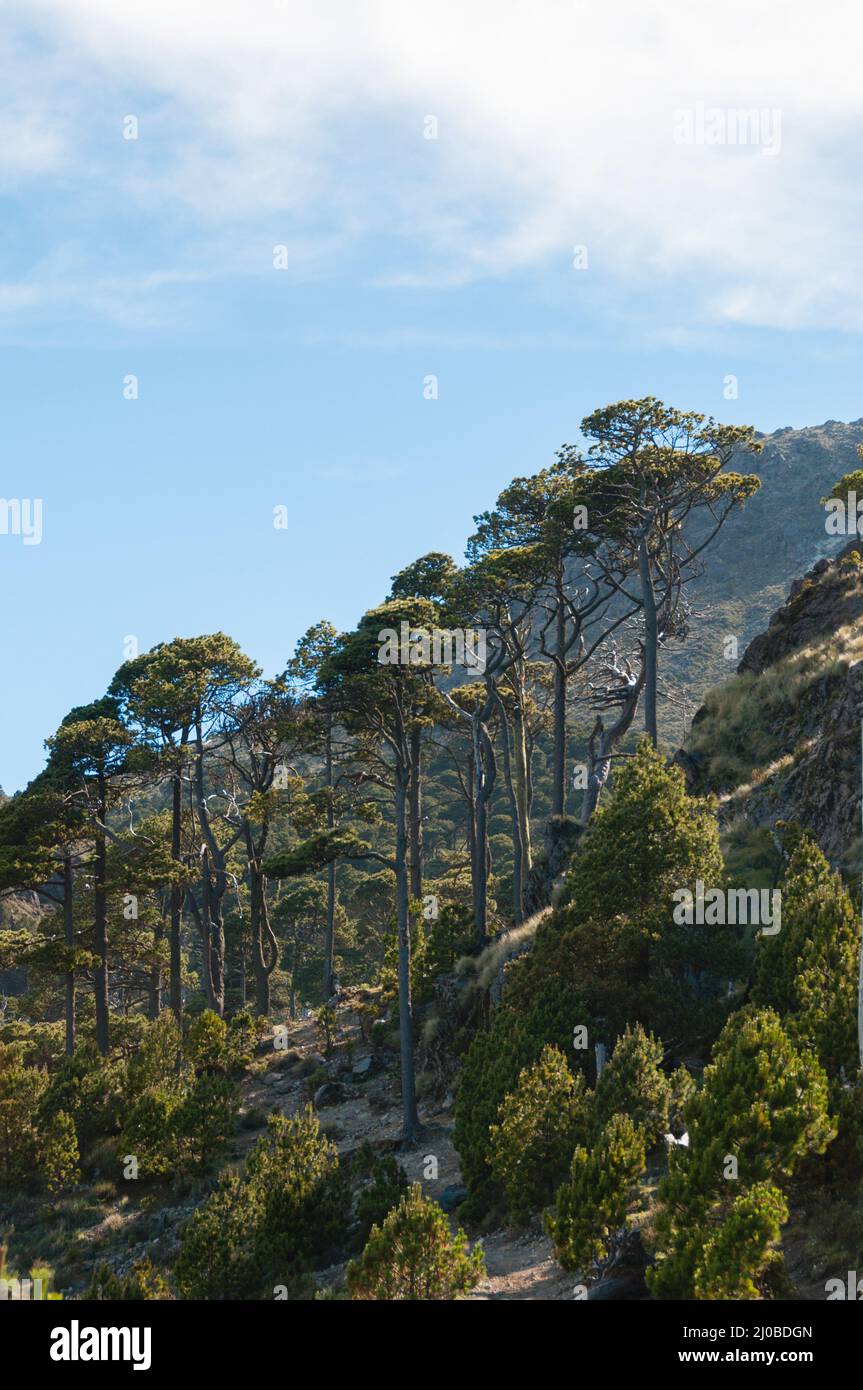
[
  {"x": 778, "y": 535},
  {"x": 781, "y": 740}
]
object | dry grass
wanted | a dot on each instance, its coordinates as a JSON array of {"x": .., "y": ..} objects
[
  {"x": 743, "y": 739},
  {"x": 488, "y": 965}
]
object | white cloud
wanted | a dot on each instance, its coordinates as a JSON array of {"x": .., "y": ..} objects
[{"x": 556, "y": 127}]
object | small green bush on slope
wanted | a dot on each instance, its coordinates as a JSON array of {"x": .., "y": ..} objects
[
  {"x": 263, "y": 1229},
  {"x": 762, "y": 1110},
  {"x": 414, "y": 1256}
]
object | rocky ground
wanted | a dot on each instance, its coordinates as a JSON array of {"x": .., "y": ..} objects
[
  {"x": 360, "y": 1103},
  {"x": 355, "y": 1093}
]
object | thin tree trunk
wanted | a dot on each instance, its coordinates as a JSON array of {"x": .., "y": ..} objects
[
  {"x": 69, "y": 935},
  {"x": 600, "y": 748},
  {"x": 517, "y": 842},
  {"x": 558, "y": 789},
  {"x": 213, "y": 892},
  {"x": 100, "y": 900},
  {"x": 330, "y": 926},
  {"x": 292, "y": 1001},
  {"x": 217, "y": 947},
  {"x": 176, "y": 989},
  {"x": 411, "y": 1124},
  {"x": 651, "y": 641},
  {"x": 486, "y": 772},
  {"x": 471, "y": 822},
  {"x": 522, "y": 783},
  {"x": 262, "y": 932},
  {"x": 415, "y": 814}
]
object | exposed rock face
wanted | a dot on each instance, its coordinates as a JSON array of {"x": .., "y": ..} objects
[
  {"x": 814, "y": 774},
  {"x": 779, "y": 533},
  {"x": 817, "y": 605}
]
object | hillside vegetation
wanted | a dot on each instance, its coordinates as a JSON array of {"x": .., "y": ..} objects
[{"x": 410, "y": 976}]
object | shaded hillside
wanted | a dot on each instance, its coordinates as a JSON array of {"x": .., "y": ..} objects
[
  {"x": 777, "y": 536},
  {"x": 781, "y": 740}
]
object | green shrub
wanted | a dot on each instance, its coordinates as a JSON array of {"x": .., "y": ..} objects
[
  {"x": 490, "y": 1071},
  {"x": 217, "y": 1250},
  {"x": 736, "y": 1257},
  {"x": 37, "y": 1149},
  {"x": 539, "y": 1125},
  {"x": 143, "y": 1282},
  {"x": 176, "y": 1121},
  {"x": 207, "y": 1041},
  {"x": 450, "y": 937},
  {"x": 612, "y": 938},
  {"x": 264, "y": 1228},
  {"x": 414, "y": 1256},
  {"x": 59, "y": 1152},
  {"x": 148, "y": 1135},
  {"x": 211, "y": 1044},
  {"x": 385, "y": 1185},
  {"x": 158, "y": 1061},
  {"x": 204, "y": 1121},
  {"x": 326, "y": 1024},
  {"x": 764, "y": 1105},
  {"x": 808, "y": 971},
  {"x": 21, "y": 1090},
  {"x": 592, "y": 1204},
  {"x": 87, "y": 1087},
  {"x": 634, "y": 1084},
  {"x": 682, "y": 1089},
  {"x": 243, "y": 1031}
]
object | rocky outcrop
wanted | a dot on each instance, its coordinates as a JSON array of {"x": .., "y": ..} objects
[{"x": 814, "y": 643}]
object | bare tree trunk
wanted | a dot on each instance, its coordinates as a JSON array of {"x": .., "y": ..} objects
[
  {"x": 214, "y": 941},
  {"x": 411, "y": 1124},
  {"x": 486, "y": 771},
  {"x": 217, "y": 952},
  {"x": 330, "y": 926},
  {"x": 558, "y": 790},
  {"x": 69, "y": 936},
  {"x": 176, "y": 989},
  {"x": 295, "y": 966},
  {"x": 415, "y": 814},
  {"x": 265, "y": 947},
  {"x": 603, "y": 741},
  {"x": 100, "y": 897},
  {"x": 651, "y": 641},
  {"x": 517, "y": 842},
  {"x": 215, "y": 883}
]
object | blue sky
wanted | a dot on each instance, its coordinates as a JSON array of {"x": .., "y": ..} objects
[{"x": 260, "y": 126}]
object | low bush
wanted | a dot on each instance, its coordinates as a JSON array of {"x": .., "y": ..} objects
[{"x": 414, "y": 1256}]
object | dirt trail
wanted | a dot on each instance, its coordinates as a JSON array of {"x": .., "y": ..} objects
[{"x": 520, "y": 1263}]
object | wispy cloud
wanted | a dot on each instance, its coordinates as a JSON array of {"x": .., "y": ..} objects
[
  {"x": 447, "y": 340},
  {"x": 556, "y": 127}
]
